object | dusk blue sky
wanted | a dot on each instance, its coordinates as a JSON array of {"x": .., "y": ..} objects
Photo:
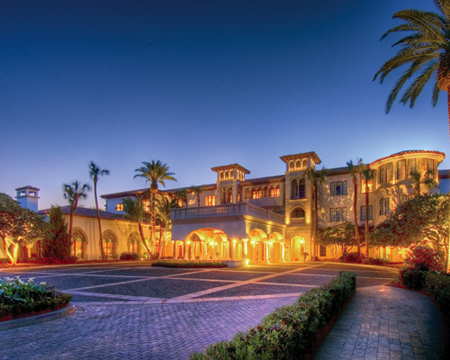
[{"x": 198, "y": 84}]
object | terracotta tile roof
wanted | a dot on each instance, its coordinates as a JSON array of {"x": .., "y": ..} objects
[
  {"x": 82, "y": 211},
  {"x": 407, "y": 152}
]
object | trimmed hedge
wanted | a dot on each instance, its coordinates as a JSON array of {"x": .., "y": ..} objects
[
  {"x": 438, "y": 285},
  {"x": 290, "y": 331},
  {"x": 189, "y": 264}
]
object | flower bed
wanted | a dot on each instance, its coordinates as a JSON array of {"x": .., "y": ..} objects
[
  {"x": 21, "y": 299},
  {"x": 292, "y": 331},
  {"x": 189, "y": 264}
]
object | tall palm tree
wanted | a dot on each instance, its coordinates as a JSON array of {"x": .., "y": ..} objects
[
  {"x": 165, "y": 206},
  {"x": 73, "y": 192},
  {"x": 197, "y": 191},
  {"x": 316, "y": 178},
  {"x": 94, "y": 173},
  {"x": 155, "y": 173},
  {"x": 425, "y": 48},
  {"x": 368, "y": 174},
  {"x": 354, "y": 170},
  {"x": 134, "y": 211}
]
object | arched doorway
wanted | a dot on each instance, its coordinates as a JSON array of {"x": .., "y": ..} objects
[
  {"x": 134, "y": 243},
  {"x": 297, "y": 248},
  {"x": 259, "y": 244}
]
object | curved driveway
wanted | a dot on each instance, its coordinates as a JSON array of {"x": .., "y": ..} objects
[{"x": 133, "y": 311}]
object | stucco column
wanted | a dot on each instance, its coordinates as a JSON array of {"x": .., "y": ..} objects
[
  {"x": 267, "y": 251},
  {"x": 201, "y": 249},
  {"x": 185, "y": 250},
  {"x": 174, "y": 248},
  {"x": 230, "y": 249},
  {"x": 282, "y": 253}
]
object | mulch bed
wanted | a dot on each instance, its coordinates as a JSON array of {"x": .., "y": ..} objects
[{"x": 33, "y": 313}]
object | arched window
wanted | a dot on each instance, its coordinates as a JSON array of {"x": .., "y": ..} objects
[
  {"x": 294, "y": 189},
  {"x": 226, "y": 175},
  {"x": 221, "y": 175},
  {"x": 264, "y": 193},
  {"x": 230, "y": 195},
  {"x": 298, "y": 213},
  {"x": 271, "y": 191},
  {"x": 134, "y": 243},
  {"x": 259, "y": 195},
  {"x": 277, "y": 191},
  {"x": 254, "y": 194},
  {"x": 291, "y": 165},
  {"x": 301, "y": 189},
  {"x": 305, "y": 164},
  {"x": 79, "y": 243},
  {"x": 110, "y": 244},
  {"x": 298, "y": 164}
]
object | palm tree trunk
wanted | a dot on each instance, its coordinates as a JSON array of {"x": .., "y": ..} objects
[
  {"x": 70, "y": 230},
  {"x": 355, "y": 214},
  {"x": 99, "y": 221},
  {"x": 141, "y": 233},
  {"x": 313, "y": 242},
  {"x": 367, "y": 219}
]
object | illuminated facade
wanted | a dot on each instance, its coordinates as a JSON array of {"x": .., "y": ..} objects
[{"x": 269, "y": 219}]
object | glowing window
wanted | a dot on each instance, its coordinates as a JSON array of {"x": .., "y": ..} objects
[
  {"x": 119, "y": 207},
  {"x": 363, "y": 185},
  {"x": 210, "y": 200}
]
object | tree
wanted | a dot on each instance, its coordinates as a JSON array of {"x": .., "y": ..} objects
[
  {"x": 19, "y": 227},
  {"x": 73, "y": 192},
  {"x": 197, "y": 191},
  {"x": 354, "y": 170},
  {"x": 56, "y": 242},
  {"x": 155, "y": 173},
  {"x": 420, "y": 221},
  {"x": 368, "y": 174},
  {"x": 94, "y": 173},
  {"x": 134, "y": 211},
  {"x": 342, "y": 235},
  {"x": 427, "y": 181},
  {"x": 165, "y": 206},
  {"x": 425, "y": 48},
  {"x": 316, "y": 178}
]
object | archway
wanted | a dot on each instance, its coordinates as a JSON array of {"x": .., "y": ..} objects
[
  {"x": 276, "y": 247},
  {"x": 297, "y": 248},
  {"x": 258, "y": 245},
  {"x": 134, "y": 243}
]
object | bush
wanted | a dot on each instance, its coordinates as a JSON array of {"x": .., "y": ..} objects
[
  {"x": 438, "y": 285},
  {"x": 129, "y": 256},
  {"x": 352, "y": 257},
  {"x": 375, "y": 261},
  {"x": 19, "y": 298},
  {"x": 413, "y": 278},
  {"x": 56, "y": 242},
  {"x": 289, "y": 332},
  {"x": 424, "y": 258}
]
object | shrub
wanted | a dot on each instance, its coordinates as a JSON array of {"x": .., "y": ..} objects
[
  {"x": 375, "y": 261},
  {"x": 413, "y": 278},
  {"x": 129, "y": 256},
  {"x": 424, "y": 258},
  {"x": 352, "y": 257},
  {"x": 19, "y": 298},
  {"x": 438, "y": 284},
  {"x": 288, "y": 332},
  {"x": 56, "y": 242}
]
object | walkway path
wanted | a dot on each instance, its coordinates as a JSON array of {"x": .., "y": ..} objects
[{"x": 388, "y": 323}]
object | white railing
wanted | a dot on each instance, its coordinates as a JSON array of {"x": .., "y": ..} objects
[{"x": 226, "y": 210}]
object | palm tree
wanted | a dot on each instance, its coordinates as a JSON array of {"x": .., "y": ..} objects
[
  {"x": 354, "y": 170},
  {"x": 417, "y": 179},
  {"x": 182, "y": 195},
  {"x": 425, "y": 49},
  {"x": 155, "y": 173},
  {"x": 94, "y": 173},
  {"x": 165, "y": 206},
  {"x": 316, "y": 178},
  {"x": 368, "y": 174},
  {"x": 73, "y": 192},
  {"x": 197, "y": 191},
  {"x": 134, "y": 211}
]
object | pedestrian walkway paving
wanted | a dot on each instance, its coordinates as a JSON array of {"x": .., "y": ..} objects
[{"x": 388, "y": 323}]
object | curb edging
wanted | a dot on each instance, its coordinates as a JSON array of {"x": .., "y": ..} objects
[{"x": 38, "y": 319}]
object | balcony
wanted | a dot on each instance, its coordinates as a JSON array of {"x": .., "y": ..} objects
[{"x": 239, "y": 209}]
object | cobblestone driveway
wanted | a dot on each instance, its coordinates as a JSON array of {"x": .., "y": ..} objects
[{"x": 139, "y": 312}]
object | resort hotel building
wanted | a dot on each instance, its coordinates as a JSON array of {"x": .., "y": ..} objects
[{"x": 266, "y": 219}]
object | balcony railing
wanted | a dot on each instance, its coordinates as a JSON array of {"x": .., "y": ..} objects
[{"x": 226, "y": 210}]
